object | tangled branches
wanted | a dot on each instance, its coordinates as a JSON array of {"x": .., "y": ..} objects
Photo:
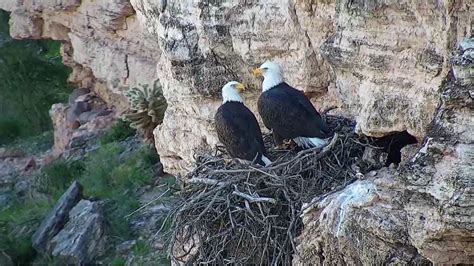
[{"x": 229, "y": 213}]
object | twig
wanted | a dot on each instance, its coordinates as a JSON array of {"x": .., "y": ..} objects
[
  {"x": 263, "y": 172},
  {"x": 147, "y": 204},
  {"x": 254, "y": 199},
  {"x": 206, "y": 181},
  {"x": 303, "y": 153},
  {"x": 236, "y": 171},
  {"x": 225, "y": 204}
]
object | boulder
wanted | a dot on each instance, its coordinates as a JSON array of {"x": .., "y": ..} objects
[
  {"x": 57, "y": 218},
  {"x": 83, "y": 237},
  {"x": 419, "y": 213},
  {"x": 463, "y": 63}
]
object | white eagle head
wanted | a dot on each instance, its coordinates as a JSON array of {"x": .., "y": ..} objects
[
  {"x": 231, "y": 92},
  {"x": 272, "y": 74}
]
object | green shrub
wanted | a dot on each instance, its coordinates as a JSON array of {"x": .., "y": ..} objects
[
  {"x": 108, "y": 176},
  {"x": 112, "y": 173},
  {"x": 120, "y": 131},
  {"x": 9, "y": 130},
  {"x": 141, "y": 248},
  {"x": 56, "y": 177},
  {"x": 107, "y": 172},
  {"x": 32, "y": 79},
  {"x": 118, "y": 261},
  {"x": 17, "y": 225}
]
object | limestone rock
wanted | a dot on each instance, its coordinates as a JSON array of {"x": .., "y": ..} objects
[
  {"x": 463, "y": 64},
  {"x": 387, "y": 77},
  {"x": 419, "y": 213},
  {"x": 78, "y": 123},
  {"x": 56, "y": 218},
  {"x": 62, "y": 131},
  {"x": 380, "y": 62},
  {"x": 83, "y": 237},
  {"x": 40, "y": 5},
  {"x": 25, "y": 26},
  {"x": 76, "y": 93}
]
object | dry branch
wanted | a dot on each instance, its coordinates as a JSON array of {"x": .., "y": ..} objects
[
  {"x": 254, "y": 199},
  {"x": 247, "y": 214}
]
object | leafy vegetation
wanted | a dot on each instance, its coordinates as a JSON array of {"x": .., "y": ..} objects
[
  {"x": 112, "y": 173},
  {"x": 17, "y": 225},
  {"x": 33, "y": 144},
  {"x": 120, "y": 131},
  {"x": 56, "y": 177},
  {"x": 33, "y": 78},
  {"x": 108, "y": 175}
]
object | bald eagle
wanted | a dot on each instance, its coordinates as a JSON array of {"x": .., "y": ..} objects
[
  {"x": 287, "y": 111},
  {"x": 237, "y": 128}
]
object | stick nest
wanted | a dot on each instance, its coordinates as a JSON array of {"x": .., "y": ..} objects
[{"x": 230, "y": 213}]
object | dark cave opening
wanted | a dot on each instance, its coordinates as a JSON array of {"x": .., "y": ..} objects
[{"x": 392, "y": 145}]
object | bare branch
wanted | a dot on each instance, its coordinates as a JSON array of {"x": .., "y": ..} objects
[{"x": 254, "y": 199}]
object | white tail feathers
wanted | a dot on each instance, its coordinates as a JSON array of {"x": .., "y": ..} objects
[
  {"x": 265, "y": 160},
  {"x": 309, "y": 142}
]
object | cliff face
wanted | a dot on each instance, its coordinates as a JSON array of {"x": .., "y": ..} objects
[{"x": 381, "y": 62}]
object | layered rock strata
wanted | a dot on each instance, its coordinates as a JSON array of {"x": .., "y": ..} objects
[{"x": 383, "y": 63}]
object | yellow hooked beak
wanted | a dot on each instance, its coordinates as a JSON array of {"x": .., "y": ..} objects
[
  {"x": 257, "y": 72},
  {"x": 240, "y": 87}
]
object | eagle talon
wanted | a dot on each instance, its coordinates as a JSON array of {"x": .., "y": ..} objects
[
  {"x": 285, "y": 146},
  {"x": 241, "y": 162},
  {"x": 228, "y": 161}
]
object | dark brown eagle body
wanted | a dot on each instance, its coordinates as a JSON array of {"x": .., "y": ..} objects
[
  {"x": 290, "y": 114},
  {"x": 238, "y": 129}
]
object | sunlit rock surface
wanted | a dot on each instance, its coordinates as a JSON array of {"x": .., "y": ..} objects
[
  {"x": 382, "y": 63},
  {"x": 423, "y": 210}
]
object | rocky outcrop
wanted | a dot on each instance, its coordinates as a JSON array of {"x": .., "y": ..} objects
[
  {"x": 463, "y": 63},
  {"x": 74, "y": 230},
  {"x": 83, "y": 238},
  {"x": 57, "y": 218},
  {"x": 380, "y": 62},
  {"x": 83, "y": 119},
  {"x": 421, "y": 210}
]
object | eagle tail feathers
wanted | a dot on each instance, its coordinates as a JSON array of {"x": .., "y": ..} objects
[
  {"x": 265, "y": 160},
  {"x": 309, "y": 142}
]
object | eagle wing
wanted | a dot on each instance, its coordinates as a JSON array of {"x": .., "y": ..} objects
[
  {"x": 238, "y": 129},
  {"x": 290, "y": 113}
]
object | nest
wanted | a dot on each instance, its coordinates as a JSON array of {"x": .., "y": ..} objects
[{"x": 230, "y": 213}]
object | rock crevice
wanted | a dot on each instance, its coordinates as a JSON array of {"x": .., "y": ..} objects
[{"x": 385, "y": 64}]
